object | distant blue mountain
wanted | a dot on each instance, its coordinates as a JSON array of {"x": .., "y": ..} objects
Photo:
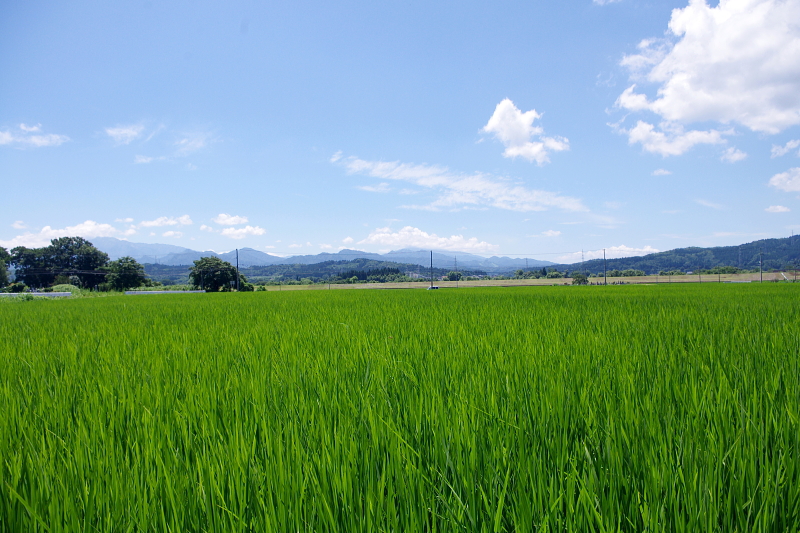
[{"x": 168, "y": 254}]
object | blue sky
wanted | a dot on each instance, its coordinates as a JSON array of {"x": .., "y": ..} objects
[{"x": 538, "y": 128}]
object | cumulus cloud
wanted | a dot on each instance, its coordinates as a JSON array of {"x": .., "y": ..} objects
[
  {"x": 125, "y": 134},
  {"x": 347, "y": 240},
  {"x": 670, "y": 138},
  {"x": 516, "y": 131},
  {"x": 203, "y": 227},
  {"x": 410, "y": 237},
  {"x": 241, "y": 233},
  {"x": 551, "y": 233},
  {"x": 732, "y": 155},
  {"x": 788, "y": 181},
  {"x": 171, "y": 233},
  {"x": 167, "y": 221},
  {"x": 777, "y": 209},
  {"x": 778, "y": 151},
  {"x": 463, "y": 190},
  {"x": 18, "y": 224},
  {"x": 224, "y": 219},
  {"x": 735, "y": 62},
  {"x": 611, "y": 253},
  {"x": 661, "y": 172},
  {"x": 24, "y": 137},
  {"x": 87, "y": 230}
]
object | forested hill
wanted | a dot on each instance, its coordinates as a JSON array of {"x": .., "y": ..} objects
[
  {"x": 319, "y": 271},
  {"x": 779, "y": 254}
]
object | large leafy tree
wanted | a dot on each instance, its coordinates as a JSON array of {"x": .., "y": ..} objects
[
  {"x": 212, "y": 274},
  {"x": 65, "y": 256},
  {"x": 125, "y": 273}
]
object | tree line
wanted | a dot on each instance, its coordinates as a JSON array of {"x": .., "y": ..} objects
[{"x": 68, "y": 260}]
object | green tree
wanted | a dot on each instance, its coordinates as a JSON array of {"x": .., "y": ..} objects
[
  {"x": 5, "y": 258},
  {"x": 38, "y": 267},
  {"x": 454, "y": 276},
  {"x": 578, "y": 278},
  {"x": 125, "y": 273},
  {"x": 212, "y": 274}
]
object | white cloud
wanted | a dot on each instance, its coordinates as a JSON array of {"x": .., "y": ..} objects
[
  {"x": 192, "y": 143},
  {"x": 167, "y": 221},
  {"x": 706, "y": 203},
  {"x": 295, "y": 246},
  {"x": 325, "y": 246},
  {"x": 87, "y": 230},
  {"x": 735, "y": 62},
  {"x": 551, "y": 233},
  {"x": 732, "y": 155},
  {"x": 416, "y": 238},
  {"x": 241, "y": 233},
  {"x": 778, "y": 151},
  {"x": 788, "y": 181},
  {"x": 224, "y": 219},
  {"x": 460, "y": 190},
  {"x": 604, "y": 2},
  {"x": 125, "y": 134},
  {"x": 381, "y": 187},
  {"x": 18, "y": 224},
  {"x": 175, "y": 234},
  {"x": 515, "y": 130},
  {"x": 611, "y": 253},
  {"x": 24, "y": 137},
  {"x": 670, "y": 139},
  {"x": 777, "y": 209},
  {"x": 125, "y": 220},
  {"x": 661, "y": 172},
  {"x": 203, "y": 227},
  {"x": 143, "y": 159},
  {"x": 347, "y": 240},
  {"x": 335, "y": 157}
]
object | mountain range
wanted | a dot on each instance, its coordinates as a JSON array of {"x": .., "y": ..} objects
[{"x": 168, "y": 254}]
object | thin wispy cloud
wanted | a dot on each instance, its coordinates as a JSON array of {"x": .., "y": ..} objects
[
  {"x": 457, "y": 190},
  {"x": 125, "y": 134},
  {"x": 184, "y": 220},
  {"x": 29, "y": 137},
  {"x": 778, "y": 151},
  {"x": 706, "y": 203}
]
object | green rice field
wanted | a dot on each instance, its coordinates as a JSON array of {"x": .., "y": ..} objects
[{"x": 630, "y": 408}]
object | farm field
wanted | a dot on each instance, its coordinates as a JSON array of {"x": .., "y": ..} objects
[{"x": 621, "y": 408}]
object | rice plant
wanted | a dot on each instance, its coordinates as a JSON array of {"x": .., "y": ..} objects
[{"x": 640, "y": 408}]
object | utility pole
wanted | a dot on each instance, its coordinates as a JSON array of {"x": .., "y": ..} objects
[
  {"x": 761, "y": 265},
  {"x": 457, "y": 274},
  {"x": 431, "y": 268},
  {"x": 605, "y": 280},
  {"x": 237, "y": 269}
]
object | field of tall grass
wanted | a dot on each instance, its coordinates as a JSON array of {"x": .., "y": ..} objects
[{"x": 633, "y": 408}]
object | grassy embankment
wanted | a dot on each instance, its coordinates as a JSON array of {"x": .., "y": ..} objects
[{"x": 608, "y": 408}]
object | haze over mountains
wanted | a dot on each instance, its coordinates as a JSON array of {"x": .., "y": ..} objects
[{"x": 168, "y": 254}]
